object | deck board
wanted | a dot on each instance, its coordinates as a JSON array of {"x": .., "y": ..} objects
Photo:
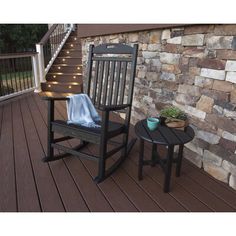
[
  {"x": 67, "y": 184},
  {"x": 25, "y": 180}
]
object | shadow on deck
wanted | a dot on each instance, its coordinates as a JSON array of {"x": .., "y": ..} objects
[{"x": 28, "y": 184}]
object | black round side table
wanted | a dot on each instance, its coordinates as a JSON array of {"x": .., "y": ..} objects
[{"x": 168, "y": 137}]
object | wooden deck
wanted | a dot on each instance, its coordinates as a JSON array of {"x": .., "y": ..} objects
[{"x": 27, "y": 184}]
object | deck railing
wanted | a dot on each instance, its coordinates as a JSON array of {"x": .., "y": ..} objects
[
  {"x": 50, "y": 45},
  {"x": 18, "y": 74}
]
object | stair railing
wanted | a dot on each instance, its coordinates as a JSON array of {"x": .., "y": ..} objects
[
  {"x": 50, "y": 46},
  {"x": 18, "y": 74}
]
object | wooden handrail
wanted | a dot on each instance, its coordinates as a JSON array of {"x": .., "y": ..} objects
[
  {"x": 47, "y": 35},
  {"x": 17, "y": 55}
]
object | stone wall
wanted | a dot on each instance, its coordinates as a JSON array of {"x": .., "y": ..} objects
[{"x": 193, "y": 68}]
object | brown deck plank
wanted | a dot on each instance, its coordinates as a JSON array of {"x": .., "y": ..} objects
[
  {"x": 24, "y": 174},
  {"x": 48, "y": 194},
  {"x": 8, "y": 197},
  {"x": 90, "y": 192},
  {"x": 212, "y": 185},
  {"x": 71, "y": 196}
]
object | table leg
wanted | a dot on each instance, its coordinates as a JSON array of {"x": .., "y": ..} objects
[
  {"x": 140, "y": 164},
  {"x": 50, "y": 133},
  {"x": 154, "y": 155},
  {"x": 179, "y": 160},
  {"x": 168, "y": 168}
]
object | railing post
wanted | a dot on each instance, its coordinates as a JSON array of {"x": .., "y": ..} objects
[
  {"x": 39, "y": 50},
  {"x": 35, "y": 67}
]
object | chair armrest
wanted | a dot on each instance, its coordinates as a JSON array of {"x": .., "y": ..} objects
[{"x": 113, "y": 107}]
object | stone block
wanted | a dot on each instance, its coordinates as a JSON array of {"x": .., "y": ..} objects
[
  {"x": 213, "y": 74},
  {"x": 230, "y": 65},
  {"x": 194, "y": 52},
  {"x": 175, "y": 40},
  {"x": 232, "y": 181},
  {"x": 193, "y": 70},
  {"x": 198, "y": 29},
  {"x": 203, "y": 82},
  {"x": 194, "y": 148},
  {"x": 225, "y": 30},
  {"x": 216, "y": 95},
  {"x": 148, "y": 54},
  {"x": 185, "y": 79},
  {"x": 212, "y": 158},
  {"x": 155, "y": 37},
  {"x": 226, "y": 54},
  {"x": 211, "y": 54},
  {"x": 218, "y": 110},
  {"x": 233, "y": 96},
  {"x": 219, "y": 42},
  {"x": 231, "y": 77},
  {"x": 229, "y": 136},
  {"x": 171, "y": 68},
  {"x": 166, "y": 34},
  {"x": 154, "y": 47},
  {"x": 192, "y": 157},
  {"x": 167, "y": 76},
  {"x": 205, "y": 104},
  {"x": 230, "y": 114},
  {"x": 193, "y": 40},
  {"x": 203, "y": 125},
  {"x": 229, "y": 167},
  {"x": 216, "y": 171},
  {"x": 172, "y": 48},
  {"x": 152, "y": 76},
  {"x": 223, "y": 86},
  {"x": 133, "y": 37},
  {"x": 189, "y": 89},
  {"x": 208, "y": 137},
  {"x": 169, "y": 58},
  {"x": 192, "y": 111},
  {"x": 186, "y": 99},
  {"x": 228, "y": 145},
  {"x": 211, "y": 63}
]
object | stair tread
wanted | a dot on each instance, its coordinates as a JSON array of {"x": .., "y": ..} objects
[
  {"x": 59, "y": 73},
  {"x": 62, "y": 83},
  {"x": 67, "y": 65}
]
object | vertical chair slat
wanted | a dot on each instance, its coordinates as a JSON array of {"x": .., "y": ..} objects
[
  {"x": 117, "y": 82},
  {"x": 107, "y": 67},
  {"x": 100, "y": 83},
  {"x": 95, "y": 81},
  {"x": 111, "y": 84},
  {"x": 122, "y": 82}
]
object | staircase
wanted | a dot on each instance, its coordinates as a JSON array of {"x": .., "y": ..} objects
[{"x": 65, "y": 74}]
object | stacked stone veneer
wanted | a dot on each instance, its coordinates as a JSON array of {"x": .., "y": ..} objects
[{"x": 193, "y": 68}]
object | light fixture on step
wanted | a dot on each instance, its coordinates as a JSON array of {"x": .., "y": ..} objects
[
  {"x": 67, "y": 52},
  {"x": 63, "y": 59},
  {"x": 49, "y": 85},
  {"x": 69, "y": 87},
  {"x": 74, "y": 77},
  {"x": 72, "y": 45},
  {"x": 78, "y": 68},
  {"x": 54, "y": 76},
  {"x": 75, "y": 38},
  {"x": 59, "y": 67}
]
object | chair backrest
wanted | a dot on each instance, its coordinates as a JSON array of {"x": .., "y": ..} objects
[{"x": 111, "y": 74}]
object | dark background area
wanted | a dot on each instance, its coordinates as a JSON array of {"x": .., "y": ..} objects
[{"x": 15, "y": 38}]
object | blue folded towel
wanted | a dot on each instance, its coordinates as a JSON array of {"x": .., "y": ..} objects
[{"x": 81, "y": 111}]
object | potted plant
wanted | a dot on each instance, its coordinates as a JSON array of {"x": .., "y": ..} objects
[{"x": 173, "y": 117}]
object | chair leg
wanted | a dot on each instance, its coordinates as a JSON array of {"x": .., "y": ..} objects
[{"x": 102, "y": 162}]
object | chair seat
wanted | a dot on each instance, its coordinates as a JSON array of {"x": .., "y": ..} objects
[{"x": 114, "y": 128}]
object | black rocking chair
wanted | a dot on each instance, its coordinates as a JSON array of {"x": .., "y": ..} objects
[{"x": 110, "y": 83}]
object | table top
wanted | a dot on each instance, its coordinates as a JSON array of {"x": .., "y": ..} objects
[
  {"x": 54, "y": 95},
  {"x": 163, "y": 135}
]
